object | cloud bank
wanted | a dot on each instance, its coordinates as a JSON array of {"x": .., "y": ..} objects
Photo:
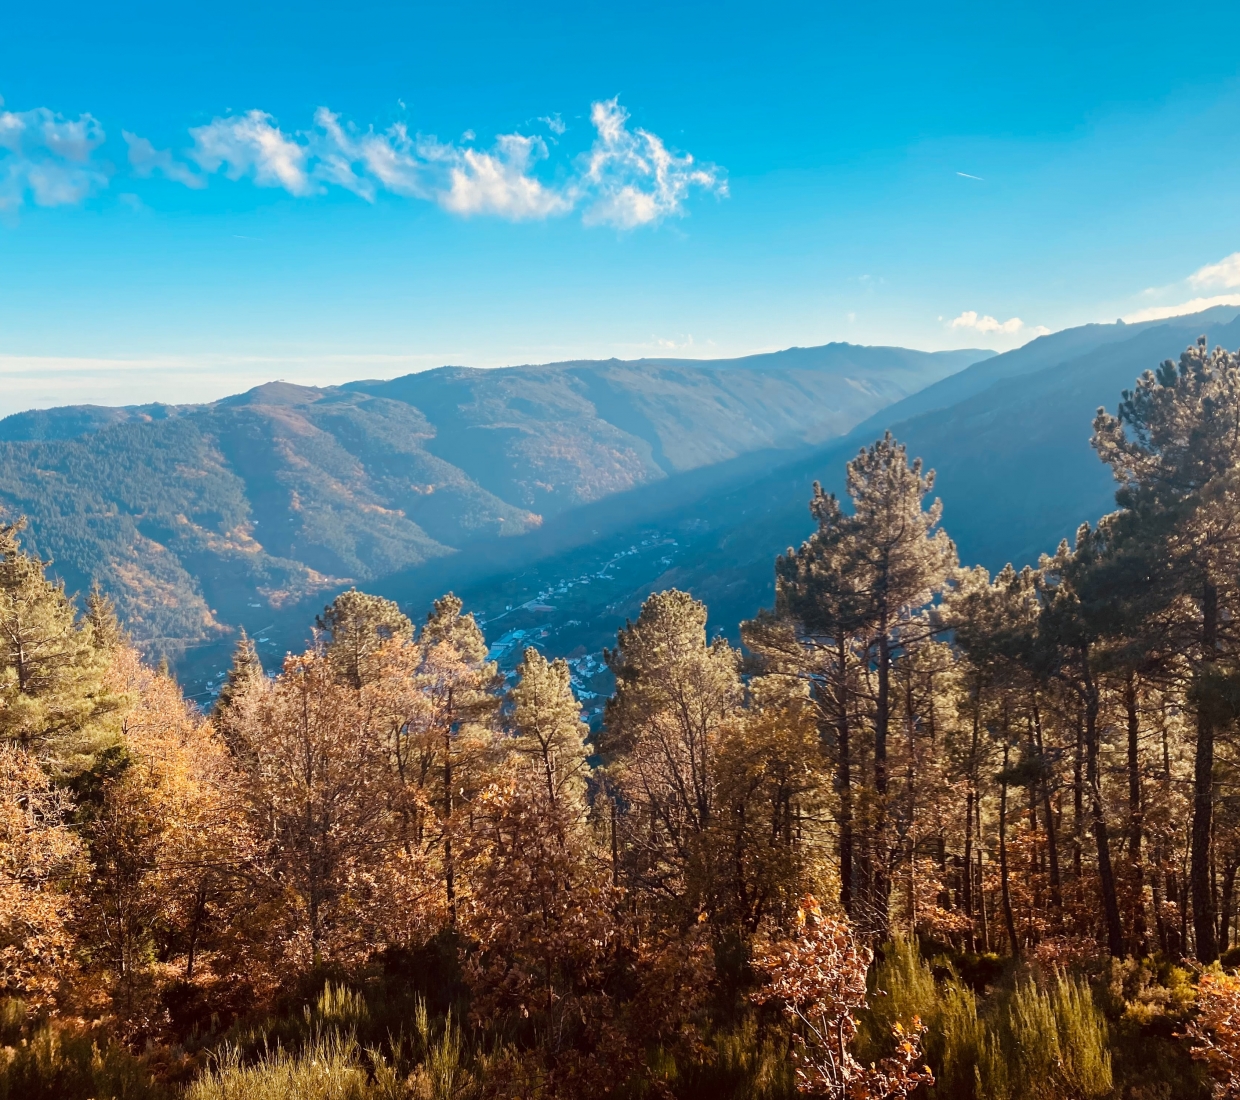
[
  {"x": 47, "y": 159},
  {"x": 1194, "y": 305},
  {"x": 1224, "y": 275},
  {"x": 627, "y": 178}
]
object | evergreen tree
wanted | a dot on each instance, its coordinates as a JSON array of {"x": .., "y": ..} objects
[
  {"x": 245, "y": 671},
  {"x": 1071, "y": 640},
  {"x": 52, "y": 695},
  {"x": 245, "y": 677},
  {"x": 862, "y": 579},
  {"x": 546, "y": 719},
  {"x": 673, "y": 692},
  {"x": 357, "y": 626},
  {"x": 1174, "y": 447},
  {"x": 820, "y": 589},
  {"x": 106, "y": 630}
]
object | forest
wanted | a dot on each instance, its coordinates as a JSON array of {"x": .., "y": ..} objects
[{"x": 928, "y": 832}]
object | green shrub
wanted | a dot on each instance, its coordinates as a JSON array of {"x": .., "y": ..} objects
[
  {"x": 50, "y": 1062},
  {"x": 1045, "y": 1044},
  {"x": 329, "y": 1069},
  {"x": 901, "y": 986}
]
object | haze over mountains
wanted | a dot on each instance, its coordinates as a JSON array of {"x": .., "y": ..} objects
[{"x": 201, "y": 518}]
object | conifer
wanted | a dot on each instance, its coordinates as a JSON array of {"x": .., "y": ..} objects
[
  {"x": 106, "y": 630},
  {"x": 550, "y": 734},
  {"x": 244, "y": 680},
  {"x": 357, "y": 626},
  {"x": 1174, "y": 448},
  {"x": 52, "y": 697}
]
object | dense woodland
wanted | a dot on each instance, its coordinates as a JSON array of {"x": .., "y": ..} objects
[{"x": 928, "y": 832}]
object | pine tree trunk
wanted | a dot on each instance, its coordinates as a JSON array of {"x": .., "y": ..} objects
[
  {"x": 1078, "y": 812},
  {"x": 1052, "y": 838},
  {"x": 1008, "y": 917},
  {"x": 1136, "y": 869},
  {"x": 981, "y": 894},
  {"x": 882, "y": 717},
  {"x": 1228, "y": 906},
  {"x": 1106, "y": 873},
  {"x": 844, "y": 779},
  {"x": 1203, "y": 792},
  {"x": 969, "y": 805},
  {"x": 449, "y": 868}
]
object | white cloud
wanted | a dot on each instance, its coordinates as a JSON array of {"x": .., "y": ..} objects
[
  {"x": 48, "y": 158},
  {"x": 985, "y": 323},
  {"x": 1224, "y": 274},
  {"x": 1196, "y": 305},
  {"x": 146, "y": 160},
  {"x": 252, "y": 145},
  {"x": 554, "y": 123},
  {"x": 631, "y": 179},
  {"x": 500, "y": 183},
  {"x": 628, "y": 178}
]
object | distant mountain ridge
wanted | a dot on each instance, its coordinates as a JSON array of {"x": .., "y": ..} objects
[{"x": 199, "y": 518}]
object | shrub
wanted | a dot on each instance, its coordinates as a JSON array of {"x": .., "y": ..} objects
[
  {"x": 329, "y": 1069},
  {"x": 53, "y": 1062}
]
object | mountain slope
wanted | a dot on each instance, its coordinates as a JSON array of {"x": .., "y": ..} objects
[
  {"x": 202, "y": 518},
  {"x": 1014, "y": 469}
]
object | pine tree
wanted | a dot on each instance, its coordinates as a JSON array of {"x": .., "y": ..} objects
[
  {"x": 244, "y": 679},
  {"x": 546, "y": 719},
  {"x": 357, "y": 626},
  {"x": 52, "y": 695},
  {"x": 673, "y": 692},
  {"x": 437, "y": 699},
  {"x": 106, "y": 630},
  {"x": 1071, "y": 639},
  {"x": 820, "y": 590},
  {"x": 863, "y": 579},
  {"x": 1174, "y": 447}
]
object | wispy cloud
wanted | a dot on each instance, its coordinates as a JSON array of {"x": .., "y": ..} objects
[
  {"x": 146, "y": 160},
  {"x": 554, "y": 123},
  {"x": 47, "y": 158},
  {"x": 631, "y": 178},
  {"x": 627, "y": 178},
  {"x": 252, "y": 145},
  {"x": 985, "y": 323},
  {"x": 1194, "y": 305}
]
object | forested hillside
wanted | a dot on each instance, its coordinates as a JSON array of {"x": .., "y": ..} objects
[
  {"x": 936, "y": 831},
  {"x": 198, "y": 519}
]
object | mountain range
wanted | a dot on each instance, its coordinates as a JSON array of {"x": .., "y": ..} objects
[
  {"x": 554, "y": 498},
  {"x": 202, "y": 518}
]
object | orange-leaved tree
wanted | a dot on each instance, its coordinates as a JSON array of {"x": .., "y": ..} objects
[
  {"x": 818, "y": 977},
  {"x": 1216, "y": 1030}
]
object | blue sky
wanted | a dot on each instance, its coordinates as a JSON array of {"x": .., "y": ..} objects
[{"x": 195, "y": 198}]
